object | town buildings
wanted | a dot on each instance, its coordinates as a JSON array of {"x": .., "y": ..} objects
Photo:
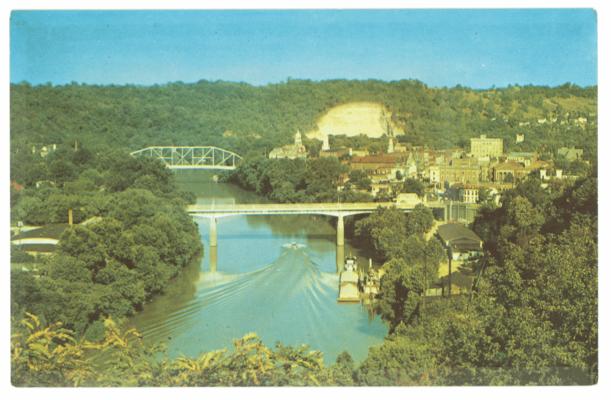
[
  {"x": 486, "y": 147},
  {"x": 482, "y": 174},
  {"x": 460, "y": 170}
]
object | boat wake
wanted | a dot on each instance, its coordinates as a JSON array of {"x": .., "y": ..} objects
[
  {"x": 294, "y": 245},
  {"x": 290, "y": 301}
]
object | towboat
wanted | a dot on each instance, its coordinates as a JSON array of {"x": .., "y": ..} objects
[{"x": 349, "y": 282}]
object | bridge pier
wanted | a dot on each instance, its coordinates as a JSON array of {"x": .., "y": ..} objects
[
  {"x": 213, "y": 238},
  {"x": 213, "y": 245},
  {"x": 340, "y": 230},
  {"x": 339, "y": 254}
]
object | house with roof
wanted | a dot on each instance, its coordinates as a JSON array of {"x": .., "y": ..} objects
[{"x": 461, "y": 242}]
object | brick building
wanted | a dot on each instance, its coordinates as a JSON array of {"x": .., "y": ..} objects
[{"x": 486, "y": 147}]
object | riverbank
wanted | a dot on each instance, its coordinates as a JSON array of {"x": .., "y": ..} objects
[{"x": 263, "y": 285}]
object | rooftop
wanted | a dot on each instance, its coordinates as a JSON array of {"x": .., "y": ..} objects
[
  {"x": 457, "y": 233},
  {"x": 380, "y": 159},
  {"x": 509, "y": 165}
]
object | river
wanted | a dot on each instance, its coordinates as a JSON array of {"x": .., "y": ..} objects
[{"x": 282, "y": 293}]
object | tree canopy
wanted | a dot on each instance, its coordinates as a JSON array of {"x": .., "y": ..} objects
[{"x": 244, "y": 118}]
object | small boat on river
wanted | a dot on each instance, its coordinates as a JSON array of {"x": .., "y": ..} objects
[{"x": 370, "y": 284}]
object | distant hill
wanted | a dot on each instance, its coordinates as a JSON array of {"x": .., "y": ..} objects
[{"x": 245, "y": 118}]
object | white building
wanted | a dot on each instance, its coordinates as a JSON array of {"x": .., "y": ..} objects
[
  {"x": 290, "y": 151},
  {"x": 486, "y": 147}
]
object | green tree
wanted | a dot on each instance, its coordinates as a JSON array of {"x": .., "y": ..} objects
[
  {"x": 420, "y": 220},
  {"x": 31, "y": 210},
  {"x": 401, "y": 290},
  {"x": 398, "y": 362},
  {"x": 411, "y": 185},
  {"x": 360, "y": 179},
  {"x": 384, "y": 231},
  {"x": 85, "y": 245}
]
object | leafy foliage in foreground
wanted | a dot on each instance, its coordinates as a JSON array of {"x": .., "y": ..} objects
[{"x": 52, "y": 356}]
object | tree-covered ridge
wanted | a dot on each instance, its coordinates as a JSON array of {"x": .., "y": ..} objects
[{"x": 242, "y": 117}]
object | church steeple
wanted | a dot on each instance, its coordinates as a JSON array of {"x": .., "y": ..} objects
[
  {"x": 325, "y": 143},
  {"x": 391, "y": 145}
]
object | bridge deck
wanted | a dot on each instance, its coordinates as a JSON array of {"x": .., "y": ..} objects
[{"x": 333, "y": 209}]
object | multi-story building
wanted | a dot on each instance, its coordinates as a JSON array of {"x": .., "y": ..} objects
[
  {"x": 486, "y": 147},
  {"x": 434, "y": 174},
  {"x": 469, "y": 194},
  {"x": 516, "y": 170},
  {"x": 509, "y": 171},
  {"x": 460, "y": 170}
]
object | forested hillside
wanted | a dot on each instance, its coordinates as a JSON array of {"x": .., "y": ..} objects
[
  {"x": 532, "y": 316},
  {"x": 137, "y": 239},
  {"x": 242, "y": 117}
]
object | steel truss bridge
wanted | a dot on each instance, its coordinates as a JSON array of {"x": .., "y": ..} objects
[{"x": 191, "y": 157}]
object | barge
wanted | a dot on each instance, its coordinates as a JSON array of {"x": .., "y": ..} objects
[{"x": 349, "y": 283}]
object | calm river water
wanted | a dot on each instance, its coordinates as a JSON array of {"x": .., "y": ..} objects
[{"x": 261, "y": 285}]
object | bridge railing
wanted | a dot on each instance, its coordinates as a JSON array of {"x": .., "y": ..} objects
[{"x": 300, "y": 208}]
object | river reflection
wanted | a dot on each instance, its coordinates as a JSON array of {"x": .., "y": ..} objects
[{"x": 261, "y": 284}]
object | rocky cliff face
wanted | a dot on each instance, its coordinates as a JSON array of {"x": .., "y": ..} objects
[{"x": 352, "y": 119}]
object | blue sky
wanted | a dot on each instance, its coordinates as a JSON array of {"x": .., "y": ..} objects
[{"x": 475, "y": 48}]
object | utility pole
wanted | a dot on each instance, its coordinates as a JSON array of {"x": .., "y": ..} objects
[
  {"x": 450, "y": 272},
  {"x": 425, "y": 282}
]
